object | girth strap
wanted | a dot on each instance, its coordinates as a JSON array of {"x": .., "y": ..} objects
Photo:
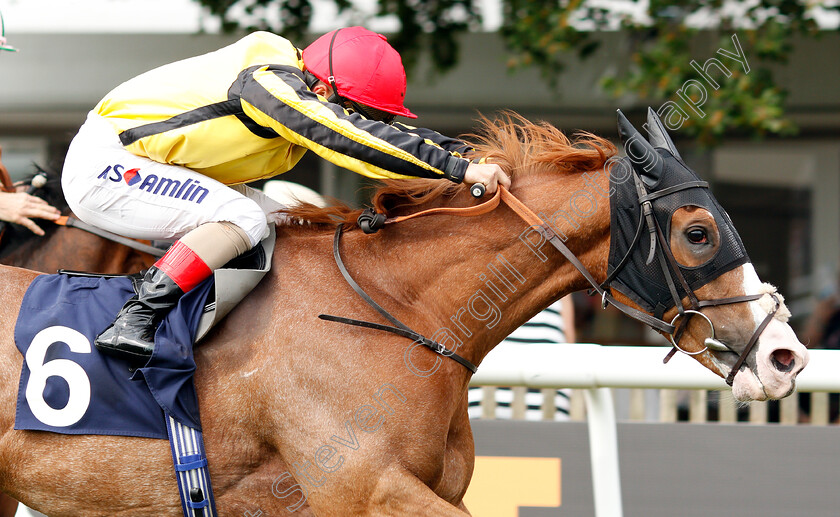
[
  {"x": 189, "y": 460},
  {"x": 399, "y": 328}
]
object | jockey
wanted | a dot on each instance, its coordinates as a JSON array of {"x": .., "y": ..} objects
[{"x": 165, "y": 155}]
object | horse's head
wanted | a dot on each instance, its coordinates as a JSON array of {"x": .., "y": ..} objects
[{"x": 675, "y": 253}]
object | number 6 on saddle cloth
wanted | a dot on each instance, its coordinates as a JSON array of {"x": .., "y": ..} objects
[{"x": 68, "y": 387}]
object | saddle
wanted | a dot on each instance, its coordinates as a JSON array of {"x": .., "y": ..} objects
[{"x": 234, "y": 281}]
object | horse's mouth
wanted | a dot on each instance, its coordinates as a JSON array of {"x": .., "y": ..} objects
[
  {"x": 782, "y": 360},
  {"x": 748, "y": 389},
  {"x": 725, "y": 360}
]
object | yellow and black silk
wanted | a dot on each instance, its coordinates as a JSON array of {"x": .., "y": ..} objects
[{"x": 244, "y": 113}]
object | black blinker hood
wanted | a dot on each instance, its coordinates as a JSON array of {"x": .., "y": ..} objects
[{"x": 654, "y": 166}]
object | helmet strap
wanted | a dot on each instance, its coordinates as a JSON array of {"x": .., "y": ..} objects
[
  {"x": 310, "y": 79},
  {"x": 337, "y": 98},
  {"x": 331, "y": 78}
]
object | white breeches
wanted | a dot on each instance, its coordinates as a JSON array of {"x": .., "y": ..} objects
[{"x": 107, "y": 186}]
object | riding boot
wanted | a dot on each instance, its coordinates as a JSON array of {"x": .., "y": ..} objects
[{"x": 132, "y": 335}]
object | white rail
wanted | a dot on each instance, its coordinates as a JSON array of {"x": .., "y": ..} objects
[
  {"x": 588, "y": 366},
  {"x": 596, "y": 368}
]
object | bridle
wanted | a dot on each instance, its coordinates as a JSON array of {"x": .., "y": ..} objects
[
  {"x": 671, "y": 270},
  {"x": 371, "y": 222}
]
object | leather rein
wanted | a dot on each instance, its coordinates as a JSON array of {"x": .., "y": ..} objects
[
  {"x": 69, "y": 220},
  {"x": 371, "y": 222}
]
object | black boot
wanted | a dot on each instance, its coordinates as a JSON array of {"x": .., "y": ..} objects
[{"x": 132, "y": 335}]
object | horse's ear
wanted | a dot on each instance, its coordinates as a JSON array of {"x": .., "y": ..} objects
[
  {"x": 646, "y": 161},
  {"x": 657, "y": 134}
]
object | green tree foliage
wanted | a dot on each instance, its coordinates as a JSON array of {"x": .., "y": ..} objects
[
  {"x": 660, "y": 45},
  {"x": 424, "y": 25},
  {"x": 660, "y": 48}
]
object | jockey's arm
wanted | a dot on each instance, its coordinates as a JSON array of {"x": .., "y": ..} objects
[
  {"x": 280, "y": 100},
  {"x": 488, "y": 174},
  {"x": 453, "y": 145}
]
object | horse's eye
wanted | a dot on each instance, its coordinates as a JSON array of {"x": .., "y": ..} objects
[{"x": 697, "y": 236}]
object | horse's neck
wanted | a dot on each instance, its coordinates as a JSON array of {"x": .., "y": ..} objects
[{"x": 472, "y": 281}]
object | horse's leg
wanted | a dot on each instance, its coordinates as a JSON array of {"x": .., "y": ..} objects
[
  {"x": 401, "y": 493},
  {"x": 8, "y": 506}
]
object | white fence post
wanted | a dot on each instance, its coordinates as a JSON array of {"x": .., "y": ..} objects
[{"x": 603, "y": 450}]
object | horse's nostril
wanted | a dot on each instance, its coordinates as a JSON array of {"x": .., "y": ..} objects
[{"x": 783, "y": 360}]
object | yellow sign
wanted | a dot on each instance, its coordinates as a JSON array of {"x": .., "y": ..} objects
[{"x": 500, "y": 485}]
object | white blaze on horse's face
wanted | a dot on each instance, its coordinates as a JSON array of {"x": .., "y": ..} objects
[
  {"x": 771, "y": 369},
  {"x": 779, "y": 356}
]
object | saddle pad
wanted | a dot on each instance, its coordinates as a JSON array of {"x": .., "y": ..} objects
[
  {"x": 67, "y": 386},
  {"x": 234, "y": 281}
]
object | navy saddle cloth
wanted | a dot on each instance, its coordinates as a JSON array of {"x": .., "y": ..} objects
[{"x": 67, "y": 386}]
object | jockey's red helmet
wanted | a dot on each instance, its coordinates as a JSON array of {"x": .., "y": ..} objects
[{"x": 361, "y": 66}]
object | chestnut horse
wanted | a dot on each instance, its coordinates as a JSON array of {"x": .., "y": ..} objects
[{"x": 318, "y": 418}]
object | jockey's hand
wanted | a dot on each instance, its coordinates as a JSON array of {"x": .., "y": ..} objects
[
  {"x": 488, "y": 174},
  {"x": 20, "y": 207}
]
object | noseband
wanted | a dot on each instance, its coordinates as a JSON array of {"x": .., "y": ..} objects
[{"x": 371, "y": 222}]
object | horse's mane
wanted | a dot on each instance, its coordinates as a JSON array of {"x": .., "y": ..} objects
[{"x": 519, "y": 146}]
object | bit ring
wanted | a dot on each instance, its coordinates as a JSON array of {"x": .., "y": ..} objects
[{"x": 711, "y": 326}]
